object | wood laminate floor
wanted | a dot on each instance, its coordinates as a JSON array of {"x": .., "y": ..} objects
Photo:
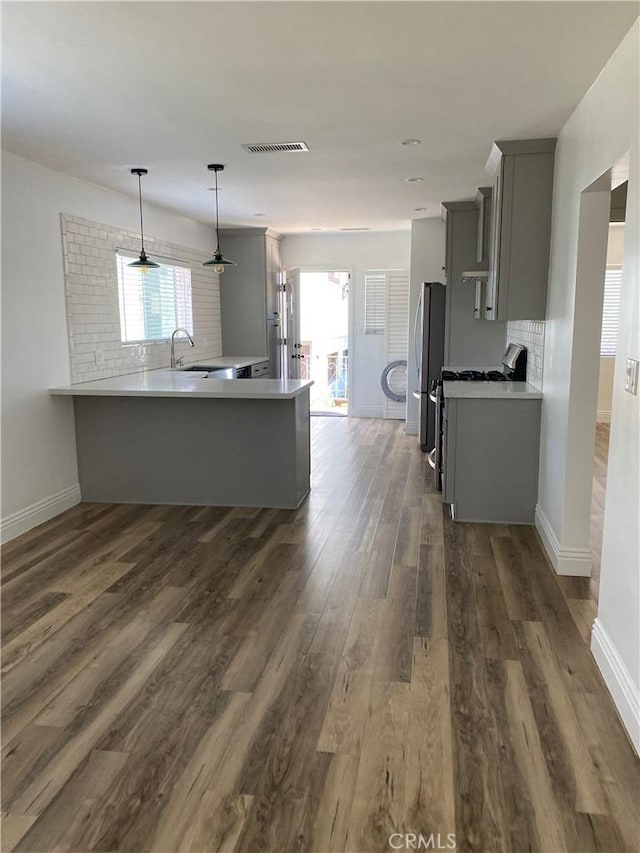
[
  {"x": 582, "y": 593},
  {"x": 206, "y": 679}
]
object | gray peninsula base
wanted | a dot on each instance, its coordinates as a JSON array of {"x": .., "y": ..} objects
[{"x": 198, "y": 451}]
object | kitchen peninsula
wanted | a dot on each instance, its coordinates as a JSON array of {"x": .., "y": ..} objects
[{"x": 169, "y": 437}]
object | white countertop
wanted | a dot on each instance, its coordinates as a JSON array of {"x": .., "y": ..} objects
[
  {"x": 177, "y": 383},
  {"x": 490, "y": 391}
]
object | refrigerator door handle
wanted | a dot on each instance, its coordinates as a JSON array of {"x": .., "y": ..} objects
[{"x": 415, "y": 331}]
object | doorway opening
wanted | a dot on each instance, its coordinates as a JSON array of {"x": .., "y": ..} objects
[
  {"x": 324, "y": 339},
  {"x": 608, "y": 349},
  {"x": 594, "y": 393}
]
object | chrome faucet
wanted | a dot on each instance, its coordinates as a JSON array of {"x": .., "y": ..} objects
[{"x": 175, "y": 362}]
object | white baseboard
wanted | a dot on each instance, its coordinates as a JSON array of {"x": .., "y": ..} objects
[
  {"x": 566, "y": 561},
  {"x": 25, "y": 519},
  {"x": 366, "y": 412},
  {"x": 625, "y": 694},
  {"x": 603, "y": 417}
]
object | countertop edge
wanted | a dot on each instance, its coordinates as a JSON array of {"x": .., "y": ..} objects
[
  {"x": 243, "y": 392},
  {"x": 458, "y": 390}
]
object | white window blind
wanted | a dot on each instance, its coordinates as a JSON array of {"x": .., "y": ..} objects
[
  {"x": 375, "y": 290},
  {"x": 611, "y": 310},
  {"x": 397, "y": 336},
  {"x": 153, "y": 303}
]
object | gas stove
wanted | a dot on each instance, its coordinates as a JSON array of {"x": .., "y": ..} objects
[
  {"x": 514, "y": 369},
  {"x": 473, "y": 376}
]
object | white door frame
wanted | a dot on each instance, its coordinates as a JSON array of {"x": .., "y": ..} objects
[{"x": 350, "y": 330}]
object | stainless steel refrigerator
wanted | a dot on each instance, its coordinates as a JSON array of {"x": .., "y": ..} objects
[{"x": 429, "y": 328}]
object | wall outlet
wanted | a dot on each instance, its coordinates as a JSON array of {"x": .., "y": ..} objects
[
  {"x": 631, "y": 376},
  {"x": 99, "y": 358}
]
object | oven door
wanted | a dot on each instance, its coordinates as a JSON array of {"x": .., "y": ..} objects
[{"x": 434, "y": 458}]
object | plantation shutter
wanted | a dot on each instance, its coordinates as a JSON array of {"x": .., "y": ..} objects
[
  {"x": 611, "y": 310},
  {"x": 397, "y": 336},
  {"x": 375, "y": 286},
  {"x": 153, "y": 303}
]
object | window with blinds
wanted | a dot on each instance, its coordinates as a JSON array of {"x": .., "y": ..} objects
[
  {"x": 375, "y": 291},
  {"x": 153, "y": 303},
  {"x": 610, "y": 310}
]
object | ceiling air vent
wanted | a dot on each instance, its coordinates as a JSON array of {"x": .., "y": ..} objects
[{"x": 271, "y": 147}]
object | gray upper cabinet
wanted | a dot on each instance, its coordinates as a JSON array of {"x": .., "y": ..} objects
[
  {"x": 249, "y": 292},
  {"x": 483, "y": 203},
  {"x": 520, "y": 229},
  {"x": 467, "y": 343}
]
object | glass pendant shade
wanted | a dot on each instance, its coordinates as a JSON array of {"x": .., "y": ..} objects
[
  {"x": 218, "y": 261},
  {"x": 143, "y": 263}
]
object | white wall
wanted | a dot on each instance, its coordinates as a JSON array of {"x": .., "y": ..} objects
[
  {"x": 602, "y": 129},
  {"x": 357, "y": 253},
  {"x": 39, "y": 474},
  {"x": 427, "y": 262}
]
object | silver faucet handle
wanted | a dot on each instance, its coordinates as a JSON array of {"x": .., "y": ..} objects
[{"x": 179, "y": 361}]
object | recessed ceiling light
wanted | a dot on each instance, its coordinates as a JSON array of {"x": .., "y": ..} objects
[
  {"x": 414, "y": 180},
  {"x": 259, "y": 214},
  {"x": 410, "y": 142},
  {"x": 419, "y": 209}
]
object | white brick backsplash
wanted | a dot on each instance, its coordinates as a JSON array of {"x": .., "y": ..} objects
[
  {"x": 92, "y": 302},
  {"x": 530, "y": 334}
]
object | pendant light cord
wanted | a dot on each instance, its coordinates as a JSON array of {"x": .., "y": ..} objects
[
  {"x": 140, "y": 200},
  {"x": 217, "y": 220}
]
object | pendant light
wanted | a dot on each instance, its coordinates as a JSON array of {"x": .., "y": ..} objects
[
  {"x": 218, "y": 262},
  {"x": 143, "y": 263}
]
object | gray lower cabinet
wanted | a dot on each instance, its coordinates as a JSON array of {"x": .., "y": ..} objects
[
  {"x": 260, "y": 370},
  {"x": 520, "y": 229},
  {"x": 249, "y": 294},
  {"x": 208, "y": 452},
  {"x": 490, "y": 454}
]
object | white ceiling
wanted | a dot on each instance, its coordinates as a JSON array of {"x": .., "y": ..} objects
[{"x": 93, "y": 89}]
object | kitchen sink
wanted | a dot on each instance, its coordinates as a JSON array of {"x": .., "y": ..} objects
[
  {"x": 198, "y": 368},
  {"x": 211, "y": 371}
]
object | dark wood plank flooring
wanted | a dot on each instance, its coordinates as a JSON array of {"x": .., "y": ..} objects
[
  {"x": 207, "y": 679},
  {"x": 582, "y": 593}
]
